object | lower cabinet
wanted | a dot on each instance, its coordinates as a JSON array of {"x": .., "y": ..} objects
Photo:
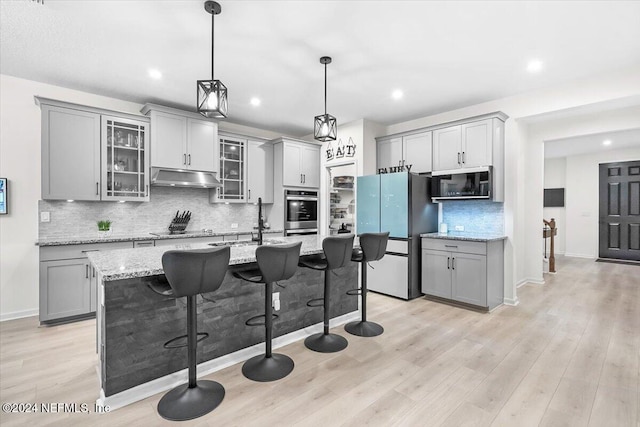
[
  {"x": 468, "y": 272},
  {"x": 68, "y": 283},
  {"x": 65, "y": 289}
]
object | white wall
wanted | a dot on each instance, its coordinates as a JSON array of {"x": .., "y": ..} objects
[
  {"x": 20, "y": 163},
  {"x": 555, "y": 171},
  {"x": 582, "y": 208}
]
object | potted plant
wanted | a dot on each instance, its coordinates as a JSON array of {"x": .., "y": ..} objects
[{"x": 104, "y": 227}]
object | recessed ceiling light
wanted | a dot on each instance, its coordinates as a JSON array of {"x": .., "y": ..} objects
[
  {"x": 606, "y": 142},
  {"x": 70, "y": 201},
  {"x": 397, "y": 94},
  {"x": 155, "y": 73},
  {"x": 255, "y": 101},
  {"x": 534, "y": 66}
]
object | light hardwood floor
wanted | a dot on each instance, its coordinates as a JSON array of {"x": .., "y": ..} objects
[{"x": 567, "y": 355}]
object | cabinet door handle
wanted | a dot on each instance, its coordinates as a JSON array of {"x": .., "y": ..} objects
[
  {"x": 450, "y": 246},
  {"x": 249, "y": 194},
  {"x": 304, "y": 178},
  {"x": 453, "y": 263},
  {"x": 463, "y": 157},
  {"x": 448, "y": 261},
  {"x": 97, "y": 188},
  {"x": 458, "y": 158},
  {"x": 190, "y": 159},
  {"x": 93, "y": 270},
  {"x": 184, "y": 159},
  {"x": 147, "y": 195},
  {"x": 86, "y": 270}
]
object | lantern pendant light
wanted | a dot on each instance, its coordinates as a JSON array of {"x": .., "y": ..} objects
[
  {"x": 325, "y": 126},
  {"x": 212, "y": 94}
]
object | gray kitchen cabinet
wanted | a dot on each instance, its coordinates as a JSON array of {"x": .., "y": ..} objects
[
  {"x": 92, "y": 154},
  {"x": 65, "y": 289},
  {"x": 446, "y": 148},
  {"x": 298, "y": 162},
  {"x": 463, "y": 271},
  {"x": 259, "y": 172},
  {"x": 438, "y": 282},
  {"x": 70, "y": 154},
  {"x": 125, "y": 166},
  {"x": 468, "y": 145},
  {"x": 412, "y": 150},
  {"x": 233, "y": 170},
  {"x": 68, "y": 283},
  {"x": 182, "y": 140},
  {"x": 389, "y": 153}
]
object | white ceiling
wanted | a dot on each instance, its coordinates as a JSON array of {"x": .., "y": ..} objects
[
  {"x": 443, "y": 55},
  {"x": 593, "y": 143}
]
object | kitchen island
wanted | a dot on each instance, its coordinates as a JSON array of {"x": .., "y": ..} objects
[{"x": 134, "y": 322}]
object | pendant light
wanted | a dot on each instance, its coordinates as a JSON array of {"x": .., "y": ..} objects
[
  {"x": 212, "y": 94},
  {"x": 325, "y": 126}
]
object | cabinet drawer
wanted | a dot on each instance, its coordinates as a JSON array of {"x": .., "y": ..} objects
[
  {"x": 462, "y": 246},
  {"x": 49, "y": 253},
  {"x": 398, "y": 246}
]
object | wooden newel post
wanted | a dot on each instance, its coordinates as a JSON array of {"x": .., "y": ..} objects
[{"x": 552, "y": 256}]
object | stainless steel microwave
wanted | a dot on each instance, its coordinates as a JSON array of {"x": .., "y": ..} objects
[{"x": 471, "y": 184}]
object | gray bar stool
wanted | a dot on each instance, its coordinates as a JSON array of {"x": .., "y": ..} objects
[
  {"x": 275, "y": 263},
  {"x": 373, "y": 246},
  {"x": 337, "y": 254},
  {"x": 191, "y": 273}
]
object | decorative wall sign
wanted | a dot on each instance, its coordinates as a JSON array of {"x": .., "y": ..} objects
[
  {"x": 329, "y": 151},
  {"x": 340, "y": 149},
  {"x": 351, "y": 148},
  {"x": 394, "y": 169}
]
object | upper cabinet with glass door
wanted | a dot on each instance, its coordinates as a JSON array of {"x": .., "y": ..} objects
[
  {"x": 232, "y": 169},
  {"x": 124, "y": 168}
]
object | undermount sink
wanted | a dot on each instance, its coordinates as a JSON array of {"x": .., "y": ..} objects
[{"x": 241, "y": 243}]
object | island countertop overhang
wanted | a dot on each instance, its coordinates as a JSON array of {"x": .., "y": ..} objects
[{"x": 119, "y": 264}]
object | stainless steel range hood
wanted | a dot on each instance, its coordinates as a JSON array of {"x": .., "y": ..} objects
[{"x": 183, "y": 178}]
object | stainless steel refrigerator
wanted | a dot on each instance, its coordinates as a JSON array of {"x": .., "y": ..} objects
[{"x": 399, "y": 203}]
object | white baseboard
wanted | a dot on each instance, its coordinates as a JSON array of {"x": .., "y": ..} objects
[
  {"x": 530, "y": 280},
  {"x": 580, "y": 256},
  {"x": 18, "y": 314},
  {"x": 170, "y": 381},
  {"x": 511, "y": 301}
]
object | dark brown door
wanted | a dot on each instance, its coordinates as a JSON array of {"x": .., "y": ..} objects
[{"x": 620, "y": 210}]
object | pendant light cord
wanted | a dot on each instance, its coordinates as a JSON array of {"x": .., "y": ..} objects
[
  {"x": 325, "y": 89},
  {"x": 213, "y": 15}
]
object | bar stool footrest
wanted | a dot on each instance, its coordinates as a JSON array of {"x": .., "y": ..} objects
[
  {"x": 172, "y": 343},
  {"x": 259, "y": 320},
  {"x": 317, "y": 302},
  {"x": 356, "y": 291}
]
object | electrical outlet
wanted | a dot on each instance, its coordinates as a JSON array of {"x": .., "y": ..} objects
[
  {"x": 459, "y": 227},
  {"x": 45, "y": 217},
  {"x": 234, "y": 225},
  {"x": 275, "y": 301}
]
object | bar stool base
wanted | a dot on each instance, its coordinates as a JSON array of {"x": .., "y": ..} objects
[
  {"x": 264, "y": 369},
  {"x": 329, "y": 343},
  {"x": 184, "y": 403},
  {"x": 364, "y": 329}
]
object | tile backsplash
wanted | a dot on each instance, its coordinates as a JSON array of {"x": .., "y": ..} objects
[
  {"x": 79, "y": 218},
  {"x": 477, "y": 216}
]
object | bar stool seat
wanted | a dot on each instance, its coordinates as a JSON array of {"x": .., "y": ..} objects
[
  {"x": 191, "y": 273},
  {"x": 337, "y": 253},
  {"x": 275, "y": 263},
  {"x": 372, "y": 248}
]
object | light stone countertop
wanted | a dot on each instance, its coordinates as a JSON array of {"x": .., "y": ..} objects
[
  {"x": 464, "y": 235},
  {"x": 121, "y": 264},
  {"x": 81, "y": 240}
]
